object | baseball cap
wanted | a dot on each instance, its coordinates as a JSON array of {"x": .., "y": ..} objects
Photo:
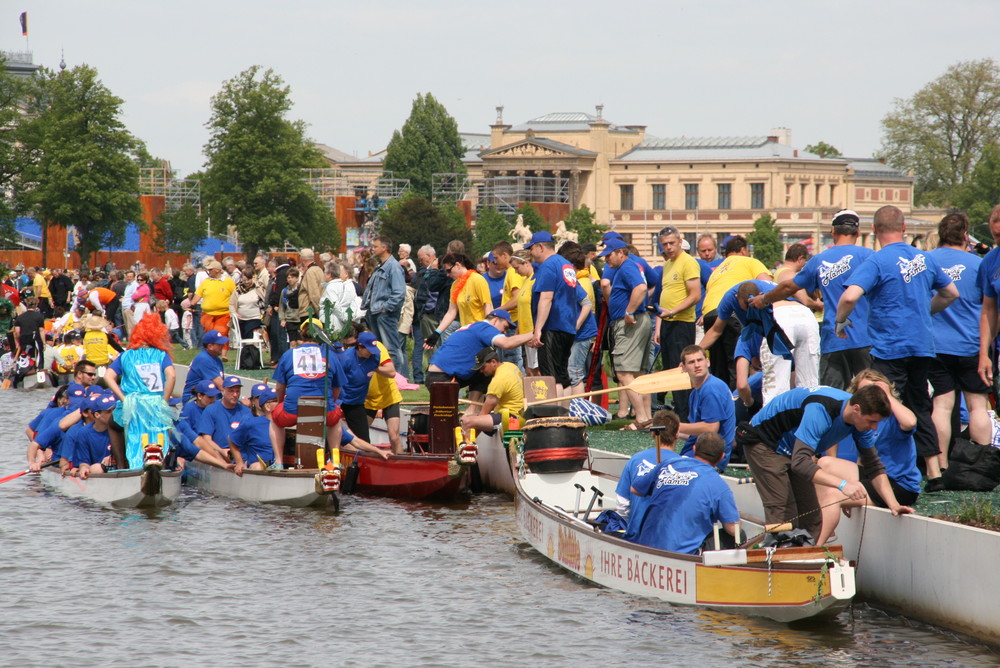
[
  {"x": 232, "y": 381},
  {"x": 258, "y": 389},
  {"x": 484, "y": 356},
  {"x": 367, "y": 339},
  {"x": 540, "y": 237},
  {"x": 175, "y": 401},
  {"x": 212, "y": 336},
  {"x": 611, "y": 245},
  {"x": 207, "y": 387},
  {"x": 267, "y": 395},
  {"x": 611, "y": 235},
  {"x": 500, "y": 313},
  {"x": 101, "y": 402},
  {"x": 311, "y": 321},
  {"x": 846, "y": 217}
]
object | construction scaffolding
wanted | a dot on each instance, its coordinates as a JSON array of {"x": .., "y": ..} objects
[
  {"x": 452, "y": 187},
  {"x": 506, "y": 193},
  {"x": 163, "y": 181},
  {"x": 368, "y": 185}
]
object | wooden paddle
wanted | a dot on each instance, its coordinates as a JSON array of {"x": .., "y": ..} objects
[{"x": 661, "y": 381}]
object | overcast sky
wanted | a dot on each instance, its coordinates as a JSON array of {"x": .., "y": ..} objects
[{"x": 827, "y": 70}]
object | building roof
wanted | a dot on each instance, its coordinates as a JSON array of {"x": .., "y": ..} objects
[
  {"x": 566, "y": 122},
  {"x": 473, "y": 143},
  {"x": 715, "y": 148},
  {"x": 334, "y": 155},
  {"x": 545, "y": 142},
  {"x": 872, "y": 168}
]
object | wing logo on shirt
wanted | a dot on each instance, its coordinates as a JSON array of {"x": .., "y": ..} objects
[
  {"x": 644, "y": 468},
  {"x": 910, "y": 268},
  {"x": 831, "y": 270},
  {"x": 955, "y": 273},
  {"x": 672, "y": 477}
]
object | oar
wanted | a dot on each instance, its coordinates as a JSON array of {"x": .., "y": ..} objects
[
  {"x": 18, "y": 475},
  {"x": 786, "y": 525},
  {"x": 661, "y": 381}
]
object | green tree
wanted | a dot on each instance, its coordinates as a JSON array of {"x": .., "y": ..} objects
[
  {"x": 253, "y": 179},
  {"x": 980, "y": 193},
  {"x": 428, "y": 144},
  {"x": 416, "y": 221},
  {"x": 766, "y": 241},
  {"x": 940, "y": 132},
  {"x": 180, "y": 230},
  {"x": 77, "y": 159},
  {"x": 532, "y": 218},
  {"x": 492, "y": 227},
  {"x": 581, "y": 220},
  {"x": 823, "y": 150},
  {"x": 11, "y": 94}
]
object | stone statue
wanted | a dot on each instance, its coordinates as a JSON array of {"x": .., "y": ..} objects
[
  {"x": 521, "y": 232},
  {"x": 563, "y": 235}
]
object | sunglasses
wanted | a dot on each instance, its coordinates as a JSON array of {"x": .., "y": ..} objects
[{"x": 89, "y": 373}]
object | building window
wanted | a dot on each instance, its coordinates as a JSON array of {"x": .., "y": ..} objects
[
  {"x": 691, "y": 196},
  {"x": 725, "y": 196},
  {"x": 627, "y": 197},
  {"x": 659, "y": 196},
  {"x": 756, "y": 195}
]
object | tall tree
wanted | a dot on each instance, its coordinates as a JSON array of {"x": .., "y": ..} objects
[
  {"x": 77, "y": 158},
  {"x": 11, "y": 95},
  {"x": 180, "y": 230},
  {"x": 532, "y": 218},
  {"x": 940, "y": 132},
  {"x": 823, "y": 150},
  {"x": 981, "y": 191},
  {"x": 492, "y": 227},
  {"x": 766, "y": 241},
  {"x": 416, "y": 221},
  {"x": 253, "y": 177},
  {"x": 428, "y": 144},
  {"x": 581, "y": 221}
]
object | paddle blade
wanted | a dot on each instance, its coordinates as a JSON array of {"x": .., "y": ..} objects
[
  {"x": 661, "y": 381},
  {"x": 12, "y": 476}
]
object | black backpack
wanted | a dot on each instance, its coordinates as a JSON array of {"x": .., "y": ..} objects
[
  {"x": 972, "y": 467},
  {"x": 250, "y": 358}
]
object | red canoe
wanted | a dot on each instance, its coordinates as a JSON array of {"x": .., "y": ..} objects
[{"x": 437, "y": 477}]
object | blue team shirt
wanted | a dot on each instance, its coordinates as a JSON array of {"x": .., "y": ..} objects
[
  {"x": 67, "y": 444},
  {"x": 457, "y": 355},
  {"x": 897, "y": 451},
  {"x": 557, "y": 276},
  {"x": 357, "y": 375},
  {"x": 713, "y": 402},
  {"x": 813, "y": 416},
  {"x": 729, "y": 305},
  {"x": 45, "y": 418},
  {"x": 626, "y": 278},
  {"x": 956, "y": 329},
  {"x": 50, "y": 437},
  {"x": 305, "y": 373},
  {"x": 686, "y": 498},
  {"x": 898, "y": 281},
  {"x": 830, "y": 273},
  {"x": 218, "y": 421},
  {"x": 90, "y": 446},
  {"x": 203, "y": 367},
  {"x": 253, "y": 439},
  {"x": 989, "y": 273},
  {"x": 589, "y": 327},
  {"x": 639, "y": 465},
  {"x": 496, "y": 288}
]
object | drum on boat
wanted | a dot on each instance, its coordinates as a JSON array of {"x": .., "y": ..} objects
[
  {"x": 419, "y": 428},
  {"x": 555, "y": 444}
]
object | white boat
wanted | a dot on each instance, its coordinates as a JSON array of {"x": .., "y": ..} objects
[
  {"x": 290, "y": 487},
  {"x": 125, "y": 489},
  {"x": 785, "y": 585}
]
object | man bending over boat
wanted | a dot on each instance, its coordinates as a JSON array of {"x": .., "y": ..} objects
[
  {"x": 687, "y": 496},
  {"x": 632, "y": 507},
  {"x": 504, "y": 393}
]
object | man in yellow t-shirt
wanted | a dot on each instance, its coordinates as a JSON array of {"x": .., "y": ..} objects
[
  {"x": 384, "y": 395},
  {"x": 213, "y": 294},
  {"x": 521, "y": 263},
  {"x": 736, "y": 268},
  {"x": 505, "y": 393},
  {"x": 681, "y": 290}
]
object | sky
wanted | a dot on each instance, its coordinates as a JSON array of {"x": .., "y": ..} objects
[{"x": 829, "y": 71}]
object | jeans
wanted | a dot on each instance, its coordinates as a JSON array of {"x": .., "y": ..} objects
[
  {"x": 279, "y": 338},
  {"x": 514, "y": 355},
  {"x": 196, "y": 329},
  {"x": 579, "y": 356},
  {"x": 385, "y": 326}
]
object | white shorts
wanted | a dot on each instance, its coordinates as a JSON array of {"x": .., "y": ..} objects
[{"x": 801, "y": 328}]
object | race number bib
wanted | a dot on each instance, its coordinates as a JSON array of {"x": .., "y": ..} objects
[
  {"x": 308, "y": 362},
  {"x": 150, "y": 376}
]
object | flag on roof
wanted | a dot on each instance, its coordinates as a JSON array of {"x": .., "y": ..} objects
[{"x": 24, "y": 23}]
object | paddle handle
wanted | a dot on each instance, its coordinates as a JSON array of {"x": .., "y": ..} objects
[{"x": 555, "y": 400}]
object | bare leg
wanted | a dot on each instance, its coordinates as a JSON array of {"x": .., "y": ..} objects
[
  {"x": 118, "y": 448},
  {"x": 943, "y": 404},
  {"x": 828, "y": 495},
  {"x": 980, "y": 426}
]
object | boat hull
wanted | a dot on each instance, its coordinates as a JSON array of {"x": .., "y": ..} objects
[
  {"x": 123, "y": 489},
  {"x": 422, "y": 477},
  {"x": 784, "y": 590},
  {"x": 294, "y": 487}
]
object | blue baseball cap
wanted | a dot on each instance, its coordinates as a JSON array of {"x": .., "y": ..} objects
[
  {"x": 540, "y": 237},
  {"x": 212, "y": 336},
  {"x": 367, "y": 339},
  {"x": 258, "y": 389},
  {"x": 268, "y": 394},
  {"x": 611, "y": 235},
  {"x": 207, "y": 387},
  {"x": 175, "y": 401},
  {"x": 101, "y": 402},
  {"x": 611, "y": 245},
  {"x": 232, "y": 381},
  {"x": 500, "y": 313},
  {"x": 491, "y": 257}
]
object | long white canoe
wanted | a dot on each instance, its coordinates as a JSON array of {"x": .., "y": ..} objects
[
  {"x": 290, "y": 487},
  {"x": 785, "y": 585},
  {"x": 126, "y": 489}
]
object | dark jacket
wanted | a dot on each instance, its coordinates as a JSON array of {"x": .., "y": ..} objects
[
  {"x": 277, "y": 285},
  {"x": 429, "y": 284}
]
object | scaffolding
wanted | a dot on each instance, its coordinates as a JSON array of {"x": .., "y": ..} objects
[
  {"x": 368, "y": 186},
  {"x": 452, "y": 187},
  {"x": 176, "y": 192},
  {"x": 506, "y": 193}
]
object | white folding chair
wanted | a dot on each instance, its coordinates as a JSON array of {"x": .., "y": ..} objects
[{"x": 237, "y": 343}]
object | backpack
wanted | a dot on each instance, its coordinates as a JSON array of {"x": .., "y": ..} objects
[
  {"x": 972, "y": 467},
  {"x": 250, "y": 358}
]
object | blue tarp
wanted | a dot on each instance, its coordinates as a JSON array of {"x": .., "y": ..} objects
[{"x": 30, "y": 228}]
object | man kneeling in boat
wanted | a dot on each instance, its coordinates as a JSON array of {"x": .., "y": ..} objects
[
  {"x": 632, "y": 507},
  {"x": 687, "y": 497},
  {"x": 220, "y": 418},
  {"x": 89, "y": 446},
  {"x": 250, "y": 443},
  {"x": 504, "y": 393}
]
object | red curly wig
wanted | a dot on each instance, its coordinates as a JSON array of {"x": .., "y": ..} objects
[{"x": 150, "y": 331}]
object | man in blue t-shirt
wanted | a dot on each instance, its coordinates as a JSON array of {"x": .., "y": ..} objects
[
  {"x": 899, "y": 281},
  {"x": 207, "y": 364},
  {"x": 250, "y": 443},
  {"x": 710, "y": 405},
  {"x": 554, "y": 309},
  {"x": 630, "y": 506},
  {"x": 686, "y": 498},
  {"x": 830, "y": 273},
  {"x": 220, "y": 419},
  {"x": 989, "y": 281}
]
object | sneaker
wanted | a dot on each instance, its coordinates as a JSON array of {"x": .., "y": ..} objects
[{"x": 934, "y": 485}]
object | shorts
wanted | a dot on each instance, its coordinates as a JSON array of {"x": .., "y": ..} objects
[
  {"x": 530, "y": 357},
  {"x": 838, "y": 369},
  {"x": 948, "y": 373},
  {"x": 631, "y": 344},
  {"x": 477, "y": 382},
  {"x": 388, "y": 412},
  {"x": 553, "y": 356},
  {"x": 284, "y": 419}
]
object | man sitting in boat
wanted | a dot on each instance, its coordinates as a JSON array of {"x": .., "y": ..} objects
[
  {"x": 89, "y": 446},
  {"x": 307, "y": 370},
  {"x": 687, "y": 496},
  {"x": 84, "y": 379},
  {"x": 710, "y": 404},
  {"x": 53, "y": 411},
  {"x": 182, "y": 439},
  {"x": 207, "y": 364},
  {"x": 631, "y": 506},
  {"x": 221, "y": 418},
  {"x": 250, "y": 443},
  {"x": 504, "y": 393},
  {"x": 355, "y": 444}
]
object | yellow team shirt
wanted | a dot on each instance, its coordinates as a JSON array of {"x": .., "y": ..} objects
[
  {"x": 96, "y": 348},
  {"x": 594, "y": 275},
  {"x": 215, "y": 294},
  {"x": 473, "y": 301},
  {"x": 582, "y": 277},
  {"x": 508, "y": 387},
  {"x": 512, "y": 282},
  {"x": 382, "y": 392},
  {"x": 70, "y": 356},
  {"x": 40, "y": 287},
  {"x": 734, "y": 270},
  {"x": 525, "y": 323},
  {"x": 676, "y": 273}
]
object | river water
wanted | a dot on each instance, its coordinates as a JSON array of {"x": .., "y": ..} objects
[{"x": 215, "y": 582}]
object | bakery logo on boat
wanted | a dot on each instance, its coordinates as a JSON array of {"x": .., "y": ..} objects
[
  {"x": 569, "y": 549},
  {"x": 669, "y": 476}
]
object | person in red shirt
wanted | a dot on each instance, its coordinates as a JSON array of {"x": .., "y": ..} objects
[{"x": 161, "y": 286}]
